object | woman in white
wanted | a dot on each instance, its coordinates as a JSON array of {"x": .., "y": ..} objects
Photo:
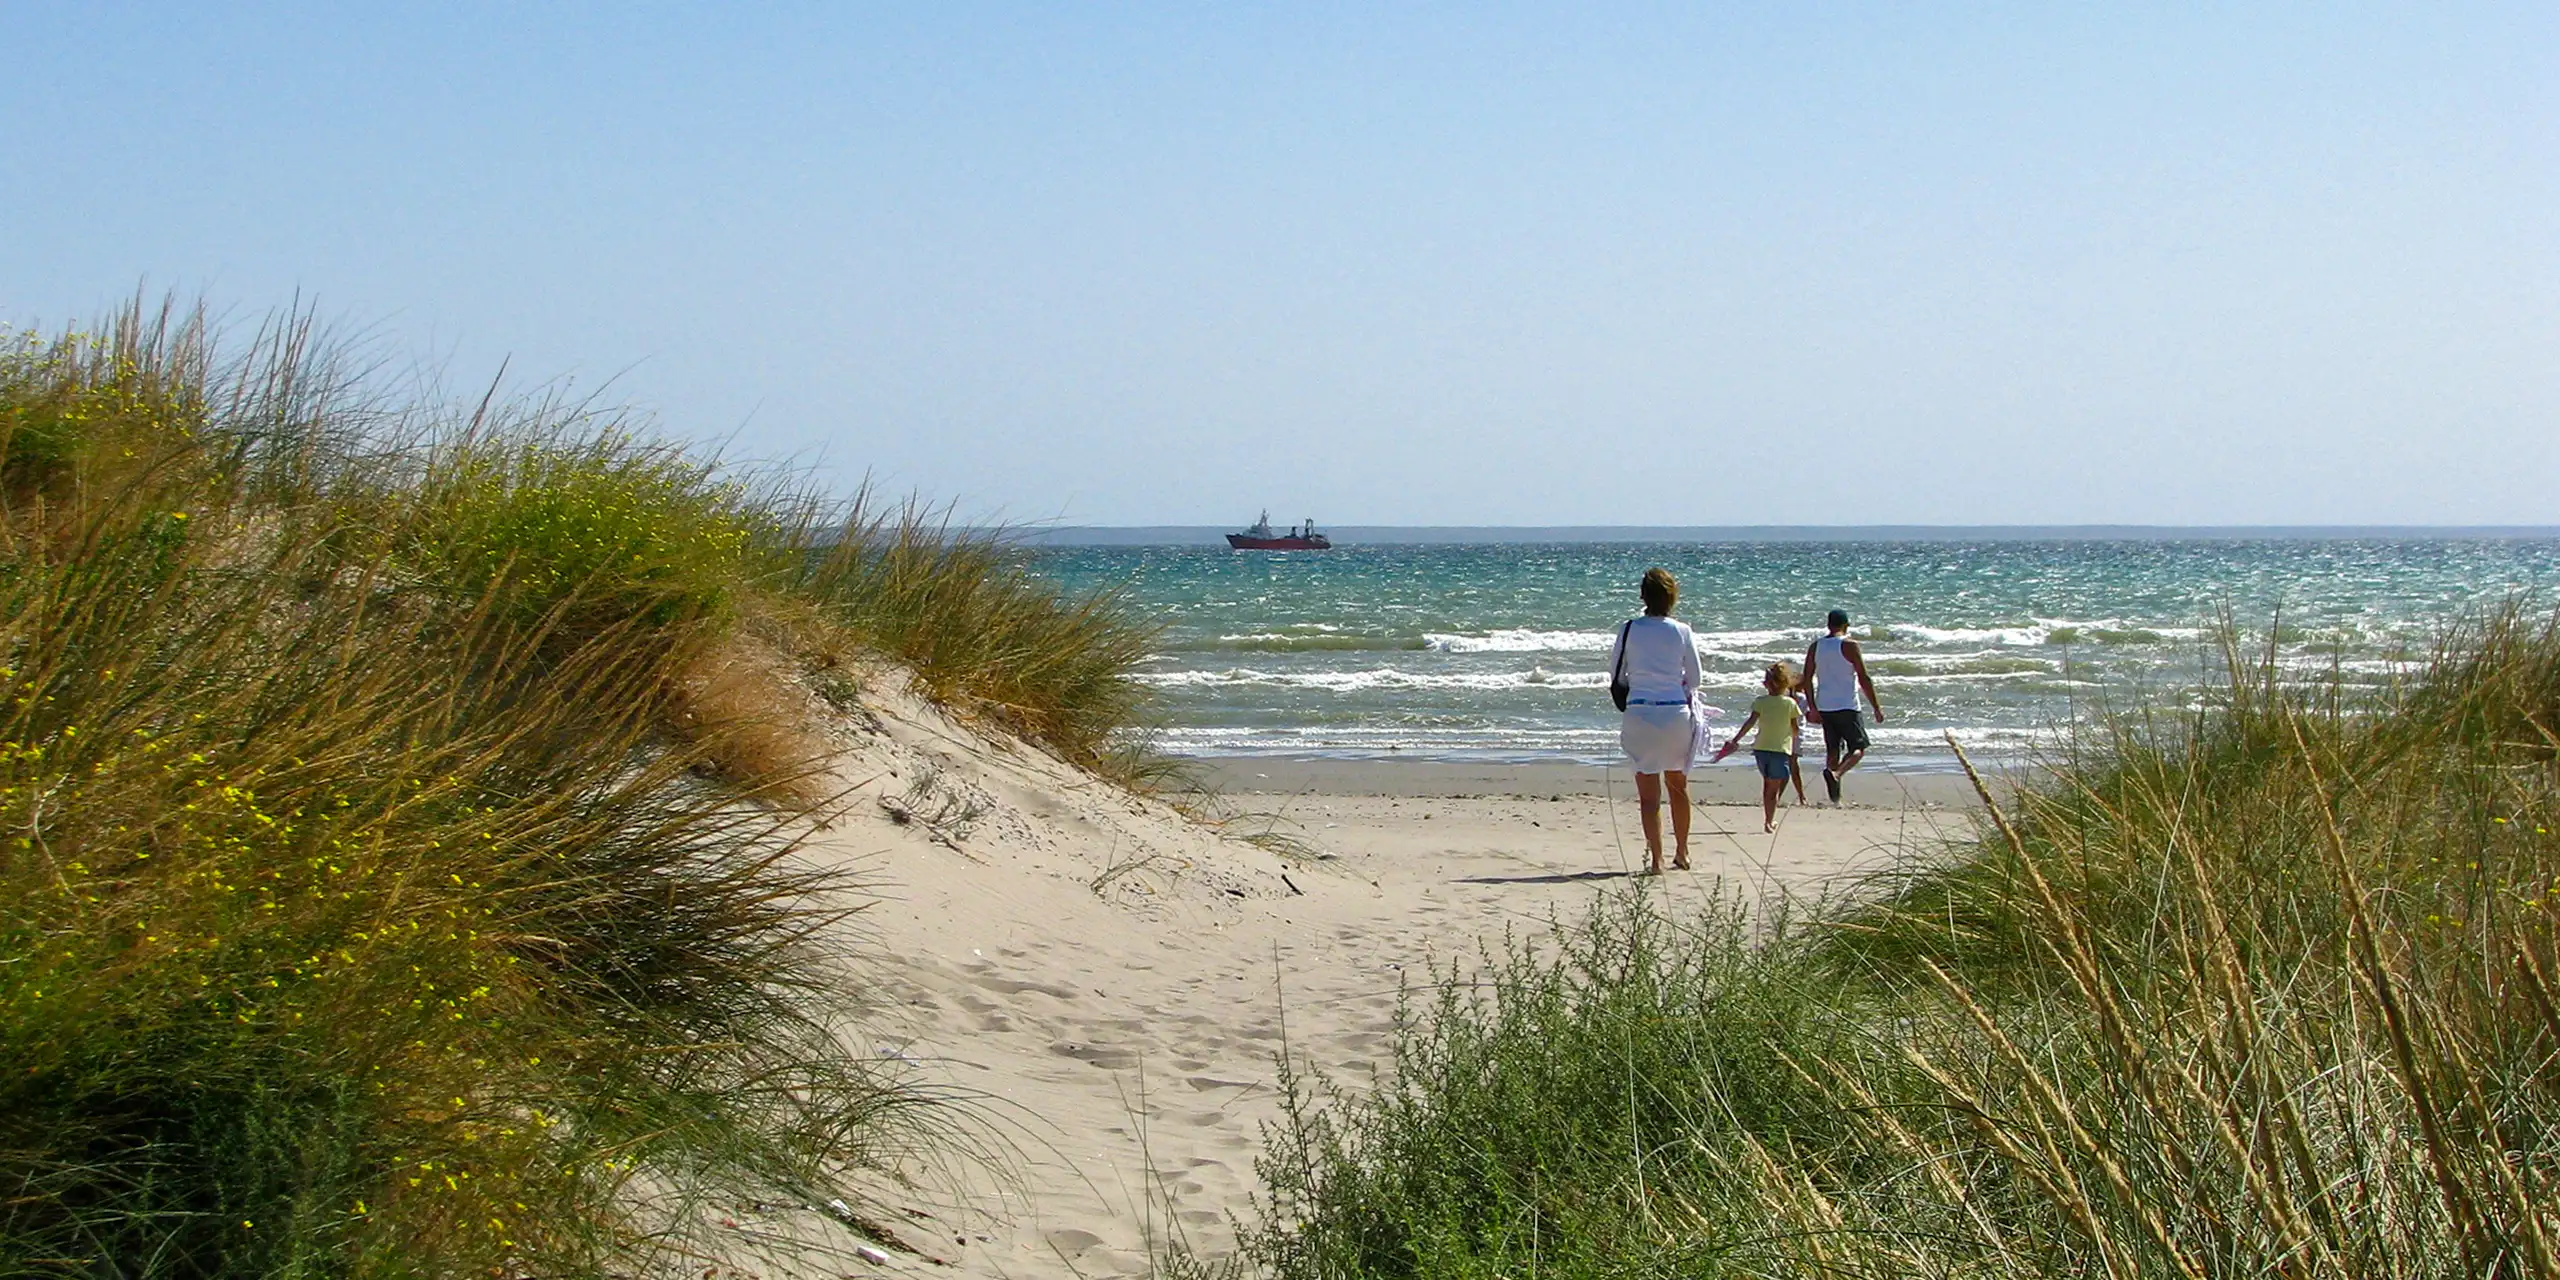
[{"x": 1657, "y": 659}]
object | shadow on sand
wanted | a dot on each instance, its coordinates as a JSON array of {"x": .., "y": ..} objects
[{"x": 1560, "y": 877}]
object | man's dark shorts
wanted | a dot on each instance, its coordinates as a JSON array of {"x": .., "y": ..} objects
[{"x": 1843, "y": 733}]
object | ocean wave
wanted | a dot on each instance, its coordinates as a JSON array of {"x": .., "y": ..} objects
[
  {"x": 1894, "y": 746},
  {"x": 2039, "y": 632},
  {"x": 2105, "y": 635},
  {"x": 1757, "y": 662},
  {"x": 1375, "y": 678},
  {"x": 1329, "y": 640},
  {"x": 1746, "y": 683},
  {"x": 1739, "y": 644},
  {"x": 1354, "y": 742},
  {"x": 1760, "y": 644},
  {"x": 2316, "y": 666},
  {"x": 1911, "y": 632},
  {"x": 1523, "y": 640},
  {"x": 1978, "y": 739},
  {"x": 1923, "y": 666},
  {"x": 1757, "y": 641}
]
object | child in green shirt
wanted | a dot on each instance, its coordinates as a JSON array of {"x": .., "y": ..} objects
[{"x": 1780, "y": 719}]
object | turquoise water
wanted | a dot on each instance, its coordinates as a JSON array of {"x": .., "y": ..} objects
[{"x": 1496, "y": 651}]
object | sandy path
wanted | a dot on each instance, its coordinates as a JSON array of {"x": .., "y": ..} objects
[{"x": 1122, "y": 1038}]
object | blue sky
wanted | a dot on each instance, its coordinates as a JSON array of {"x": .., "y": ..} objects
[{"x": 1407, "y": 264}]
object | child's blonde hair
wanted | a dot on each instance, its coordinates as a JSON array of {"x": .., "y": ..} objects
[{"x": 1780, "y": 678}]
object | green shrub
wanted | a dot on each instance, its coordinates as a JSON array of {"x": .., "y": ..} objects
[
  {"x": 602, "y": 528},
  {"x": 97, "y": 406},
  {"x": 343, "y": 939},
  {"x": 359, "y": 914}
]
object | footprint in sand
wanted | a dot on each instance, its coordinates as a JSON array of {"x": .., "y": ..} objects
[
  {"x": 1071, "y": 1242},
  {"x": 1097, "y": 1055},
  {"x": 1361, "y": 1042},
  {"x": 1012, "y": 987}
]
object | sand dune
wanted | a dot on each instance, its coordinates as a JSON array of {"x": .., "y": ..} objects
[{"x": 1109, "y": 983}]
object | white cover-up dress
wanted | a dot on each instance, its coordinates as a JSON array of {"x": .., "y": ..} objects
[{"x": 1660, "y": 730}]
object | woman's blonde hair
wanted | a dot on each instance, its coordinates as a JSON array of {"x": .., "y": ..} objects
[
  {"x": 1660, "y": 591},
  {"x": 1780, "y": 678}
]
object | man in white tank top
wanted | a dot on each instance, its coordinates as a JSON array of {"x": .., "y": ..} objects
[{"x": 1838, "y": 673}]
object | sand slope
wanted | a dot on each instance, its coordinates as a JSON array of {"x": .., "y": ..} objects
[{"x": 1109, "y": 983}]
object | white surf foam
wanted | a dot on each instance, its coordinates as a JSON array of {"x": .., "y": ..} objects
[
  {"x": 1375, "y": 678},
  {"x": 1522, "y": 640}
]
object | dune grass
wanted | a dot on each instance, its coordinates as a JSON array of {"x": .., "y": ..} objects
[
  {"x": 368, "y": 903},
  {"x": 982, "y": 631},
  {"x": 2265, "y": 987}
]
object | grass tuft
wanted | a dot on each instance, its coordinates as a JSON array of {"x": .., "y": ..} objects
[{"x": 985, "y": 633}]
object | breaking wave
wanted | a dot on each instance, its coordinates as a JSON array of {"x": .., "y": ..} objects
[
  {"x": 2043, "y": 631},
  {"x": 1523, "y": 640},
  {"x": 1302, "y": 642},
  {"x": 1915, "y": 748},
  {"x": 1374, "y": 678}
]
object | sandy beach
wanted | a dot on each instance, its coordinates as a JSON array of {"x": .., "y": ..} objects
[{"x": 1108, "y": 986}]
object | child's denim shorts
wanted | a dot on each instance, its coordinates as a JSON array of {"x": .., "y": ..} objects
[{"x": 1776, "y": 766}]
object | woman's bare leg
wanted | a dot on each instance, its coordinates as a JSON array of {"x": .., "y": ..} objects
[
  {"x": 1677, "y": 783},
  {"x": 1649, "y": 804}
]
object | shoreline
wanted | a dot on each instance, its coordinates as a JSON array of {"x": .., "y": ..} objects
[{"x": 1733, "y": 782}]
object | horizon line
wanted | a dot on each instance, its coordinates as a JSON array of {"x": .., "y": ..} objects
[{"x": 1176, "y": 534}]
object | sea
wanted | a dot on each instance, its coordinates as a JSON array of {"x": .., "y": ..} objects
[{"x": 1492, "y": 650}]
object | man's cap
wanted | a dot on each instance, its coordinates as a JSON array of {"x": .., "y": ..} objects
[{"x": 1839, "y": 618}]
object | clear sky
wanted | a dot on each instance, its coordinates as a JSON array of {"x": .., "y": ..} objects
[{"x": 1388, "y": 264}]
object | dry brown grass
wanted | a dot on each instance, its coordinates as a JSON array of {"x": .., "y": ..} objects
[{"x": 740, "y": 702}]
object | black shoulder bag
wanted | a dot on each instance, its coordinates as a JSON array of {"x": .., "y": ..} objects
[{"x": 1618, "y": 671}]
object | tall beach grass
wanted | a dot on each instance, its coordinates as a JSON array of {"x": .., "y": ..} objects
[
  {"x": 372, "y": 900},
  {"x": 2262, "y": 986}
]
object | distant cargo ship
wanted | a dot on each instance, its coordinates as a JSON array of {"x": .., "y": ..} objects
[{"x": 1262, "y": 537}]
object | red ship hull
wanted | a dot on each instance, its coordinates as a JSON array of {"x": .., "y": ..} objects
[{"x": 1246, "y": 542}]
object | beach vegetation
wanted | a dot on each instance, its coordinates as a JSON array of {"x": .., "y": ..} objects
[
  {"x": 2258, "y": 983},
  {"x": 382, "y": 890},
  {"x": 981, "y": 630}
]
